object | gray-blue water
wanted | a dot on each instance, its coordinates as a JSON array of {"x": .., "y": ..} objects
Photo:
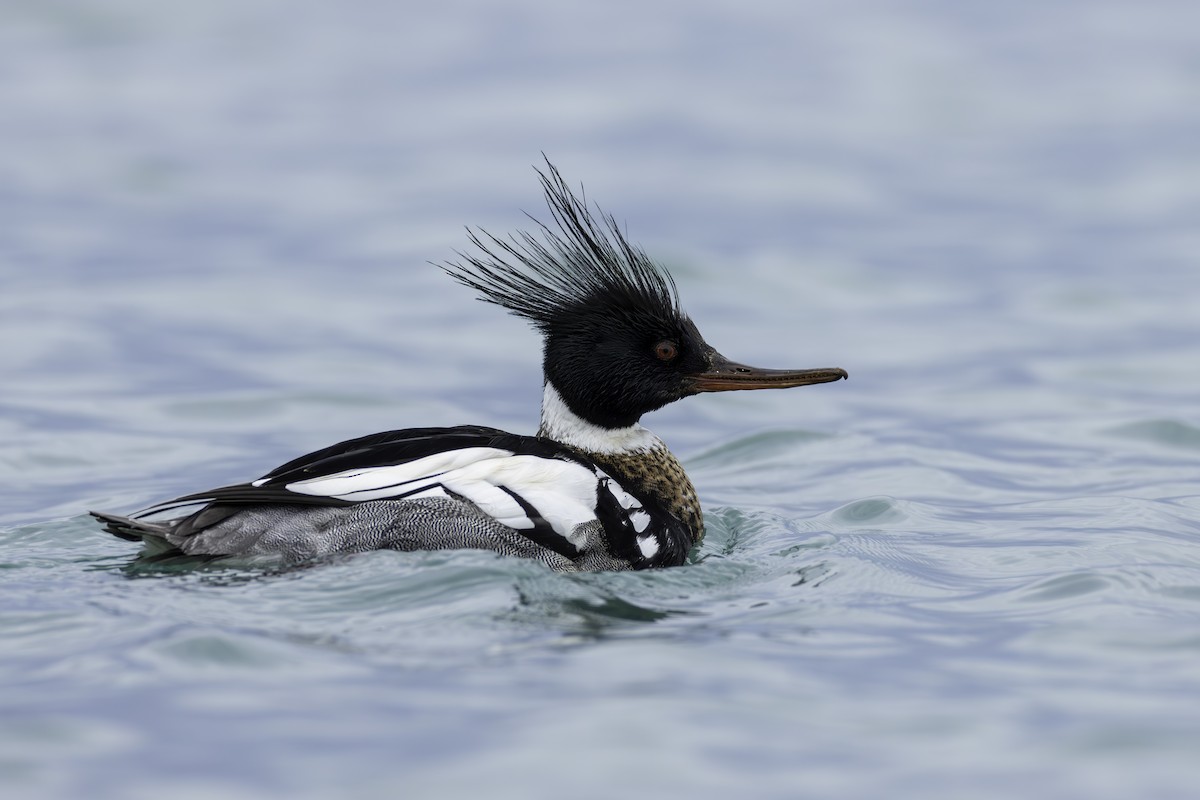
[{"x": 973, "y": 570}]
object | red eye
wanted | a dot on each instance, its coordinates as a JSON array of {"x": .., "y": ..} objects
[{"x": 666, "y": 350}]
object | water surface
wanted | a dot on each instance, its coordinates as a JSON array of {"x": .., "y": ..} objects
[{"x": 973, "y": 570}]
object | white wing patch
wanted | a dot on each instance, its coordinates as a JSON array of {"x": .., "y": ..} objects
[
  {"x": 376, "y": 483},
  {"x": 563, "y": 492}
]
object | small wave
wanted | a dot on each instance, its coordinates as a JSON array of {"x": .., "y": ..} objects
[
  {"x": 755, "y": 448},
  {"x": 1169, "y": 432}
]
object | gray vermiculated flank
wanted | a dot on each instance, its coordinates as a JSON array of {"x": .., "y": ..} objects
[{"x": 298, "y": 533}]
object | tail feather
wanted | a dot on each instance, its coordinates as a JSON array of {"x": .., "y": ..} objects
[{"x": 132, "y": 530}]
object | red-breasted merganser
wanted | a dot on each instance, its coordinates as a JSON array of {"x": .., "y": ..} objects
[{"x": 593, "y": 490}]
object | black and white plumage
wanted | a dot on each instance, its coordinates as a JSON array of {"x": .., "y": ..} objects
[{"x": 594, "y": 490}]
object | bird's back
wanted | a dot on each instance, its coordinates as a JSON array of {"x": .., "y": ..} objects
[{"x": 424, "y": 489}]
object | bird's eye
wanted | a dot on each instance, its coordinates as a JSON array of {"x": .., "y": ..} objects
[{"x": 666, "y": 350}]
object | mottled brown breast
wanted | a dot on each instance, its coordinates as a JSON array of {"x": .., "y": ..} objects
[{"x": 658, "y": 473}]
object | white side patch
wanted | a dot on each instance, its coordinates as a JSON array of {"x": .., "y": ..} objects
[
  {"x": 624, "y": 498},
  {"x": 563, "y": 425},
  {"x": 640, "y": 520},
  {"x": 648, "y": 545},
  {"x": 563, "y": 492}
]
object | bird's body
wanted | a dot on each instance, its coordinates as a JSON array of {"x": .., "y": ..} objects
[{"x": 593, "y": 490}]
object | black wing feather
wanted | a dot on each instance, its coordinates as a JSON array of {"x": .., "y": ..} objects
[
  {"x": 391, "y": 448},
  {"x": 386, "y": 449},
  {"x": 244, "y": 494}
]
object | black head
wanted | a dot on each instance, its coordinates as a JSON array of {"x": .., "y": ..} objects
[{"x": 617, "y": 344}]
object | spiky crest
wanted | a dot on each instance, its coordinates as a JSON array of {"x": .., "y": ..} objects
[{"x": 586, "y": 259}]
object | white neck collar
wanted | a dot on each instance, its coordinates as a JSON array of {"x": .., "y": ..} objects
[{"x": 562, "y": 424}]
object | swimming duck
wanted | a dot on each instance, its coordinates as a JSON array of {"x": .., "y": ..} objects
[{"x": 593, "y": 490}]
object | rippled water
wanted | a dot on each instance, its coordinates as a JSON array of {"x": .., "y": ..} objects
[{"x": 973, "y": 570}]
